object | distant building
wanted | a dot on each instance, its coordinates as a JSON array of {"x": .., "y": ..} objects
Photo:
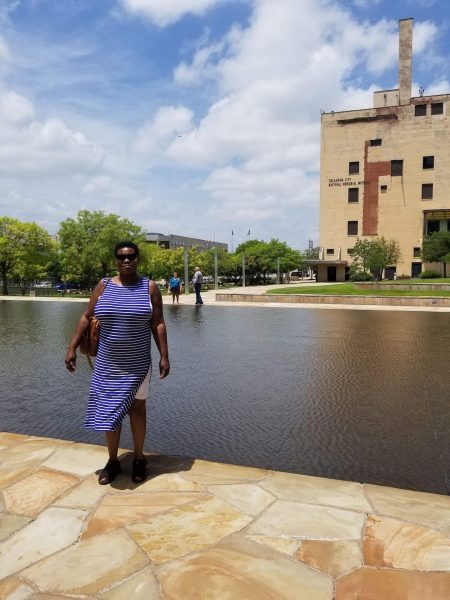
[
  {"x": 385, "y": 171},
  {"x": 178, "y": 241}
]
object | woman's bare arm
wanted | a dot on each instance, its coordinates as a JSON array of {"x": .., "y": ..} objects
[
  {"x": 71, "y": 354},
  {"x": 159, "y": 330}
]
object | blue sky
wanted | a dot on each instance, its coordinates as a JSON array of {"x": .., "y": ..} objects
[{"x": 193, "y": 117}]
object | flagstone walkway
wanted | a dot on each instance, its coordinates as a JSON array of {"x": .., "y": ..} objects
[{"x": 207, "y": 531}]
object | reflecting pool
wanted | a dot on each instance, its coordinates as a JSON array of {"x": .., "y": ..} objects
[{"x": 356, "y": 395}]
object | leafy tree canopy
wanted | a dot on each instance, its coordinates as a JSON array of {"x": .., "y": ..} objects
[
  {"x": 87, "y": 244},
  {"x": 436, "y": 248},
  {"x": 25, "y": 251}
]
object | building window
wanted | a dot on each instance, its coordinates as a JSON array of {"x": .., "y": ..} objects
[
  {"x": 352, "y": 227},
  {"x": 416, "y": 252},
  {"x": 428, "y": 162},
  {"x": 396, "y": 168},
  {"x": 330, "y": 250},
  {"x": 433, "y": 226},
  {"x": 427, "y": 191},
  {"x": 353, "y": 195},
  {"x": 349, "y": 251},
  {"x": 420, "y": 110},
  {"x": 448, "y": 224},
  {"x": 437, "y": 108},
  {"x": 353, "y": 168},
  {"x": 383, "y": 188},
  {"x": 376, "y": 142}
]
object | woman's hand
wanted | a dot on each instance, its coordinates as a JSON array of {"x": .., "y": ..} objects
[
  {"x": 164, "y": 368},
  {"x": 71, "y": 360}
]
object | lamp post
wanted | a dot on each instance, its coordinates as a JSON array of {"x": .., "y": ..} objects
[
  {"x": 216, "y": 270},
  {"x": 186, "y": 269}
]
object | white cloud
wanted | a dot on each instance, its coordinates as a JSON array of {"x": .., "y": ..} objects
[
  {"x": 30, "y": 146},
  {"x": 169, "y": 124},
  {"x": 166, "y": 12}
]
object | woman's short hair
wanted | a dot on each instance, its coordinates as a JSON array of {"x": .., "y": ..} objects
[{"x": 126, "y": 244}]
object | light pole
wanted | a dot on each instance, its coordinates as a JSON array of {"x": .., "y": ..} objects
[
  {"x": 216, "y": 270},
  {"x": 186, "y": 269}
]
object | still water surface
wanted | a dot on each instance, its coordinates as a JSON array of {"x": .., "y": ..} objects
[{"x": 357, "y": 395}]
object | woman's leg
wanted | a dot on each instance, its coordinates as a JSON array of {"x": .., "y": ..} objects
[
  {"x": 112, "y": 440},
  {"x": 138, "y": 422}
]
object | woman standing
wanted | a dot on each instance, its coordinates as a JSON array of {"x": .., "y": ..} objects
[
  {"x": 175, "y": 287},
  {"x": 129, "y": 308}
]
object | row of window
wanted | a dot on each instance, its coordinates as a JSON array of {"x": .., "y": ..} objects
[
  {"x": 431, "y": 226},
  {"x": 353, "y": 193},
  {"x": 416, "y": 251},
  {"x": 437, "y": 108},
  {"x": 396, "y": 165}
]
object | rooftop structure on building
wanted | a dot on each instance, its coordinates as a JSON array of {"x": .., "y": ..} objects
[
  {"x": 385, "y": 171},
  {"x": 173, "y": 242}
]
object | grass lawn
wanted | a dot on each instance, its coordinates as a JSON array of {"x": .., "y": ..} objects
[{"x": 348, "y": 289}]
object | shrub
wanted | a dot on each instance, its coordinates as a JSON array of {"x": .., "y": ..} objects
[
  {"x": 360, "y": 276},
  {"x": 430, "y": 275},
  {"x": 403, "y": 276}
]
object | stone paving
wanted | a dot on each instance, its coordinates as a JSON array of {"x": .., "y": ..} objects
[{"x": 207, "y": 531}]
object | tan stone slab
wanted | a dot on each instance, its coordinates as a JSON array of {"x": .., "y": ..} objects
[
  {"x": 79, "y": 459},
  {"x": 15, "y": 589},
  {"x": 392, "y": 543},
  {"x": 2, "y": 503},
  {"x": 170, "y": 482},
  {"x": 287, "y": 546},
  {"x": 247, "y": 497},
  {"x": 12, "y": 439},
  {"x": 11, "y": 523},
  {"x": 89, "y": 566},
  {"x": 142, "y": 586},
  {"x": 3, "y": 447},
  {"x": 334, "y": 558},
  {"x": 117, "y": 510},
  {"x": 317, "y": 490},
  {"x": 186, "y": 529},
  {"x": 31, "y": 495},
  {"x": 306, "y": 521},
  {"x": 18, "y": 462},
  {"x": 85, "y": 495},
  {"x": 238, "y": 568},
  {"x": 430, "y": 510},
  {"x": 53, "y": 530},
  {"x": 384, "y": 584},
  {"x": 211, "y": 473}
]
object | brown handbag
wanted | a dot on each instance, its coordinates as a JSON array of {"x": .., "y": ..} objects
[{"x": 89, "y": 341}]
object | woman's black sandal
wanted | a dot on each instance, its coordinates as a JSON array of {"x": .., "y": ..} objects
[
  {"x": 109, "y": 472},
  {"x": 139, "y": 473}
]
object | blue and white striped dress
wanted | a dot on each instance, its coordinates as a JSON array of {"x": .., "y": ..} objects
[{"x": 124, "y": 353}]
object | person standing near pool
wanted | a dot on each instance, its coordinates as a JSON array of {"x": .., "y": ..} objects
[
  {"x": 129, "y": 308},
  {"x": 175, "y": 287},
  {"x": 197, "y": 280}
]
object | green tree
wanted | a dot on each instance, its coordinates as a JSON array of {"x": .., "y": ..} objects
[
  {"x": 25, "y": 252},
  {"x": 436, "y": 248},
  {"x": 87, "y": 244},
  {"x": 33, "y": 257},
  {"x": 375, "y": 255},
  {"x": 261, "y": 257}
]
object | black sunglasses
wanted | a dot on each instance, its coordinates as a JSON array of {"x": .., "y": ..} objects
[{"x": 122, "y": 257}]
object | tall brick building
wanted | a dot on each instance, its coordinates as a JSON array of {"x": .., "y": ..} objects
[{"x": 385, "y": 171}]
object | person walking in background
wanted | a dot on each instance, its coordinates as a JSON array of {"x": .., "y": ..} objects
[
  {"x": 129, "y": 308},
  {"x": 175, "y": 287},
  {"x": 197, "y": 280}
]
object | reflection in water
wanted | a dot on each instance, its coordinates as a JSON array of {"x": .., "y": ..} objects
[{"x": 359, "y": 395}]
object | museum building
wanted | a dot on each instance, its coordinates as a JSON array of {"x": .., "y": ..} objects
[{"x": 385, "y": 171}]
